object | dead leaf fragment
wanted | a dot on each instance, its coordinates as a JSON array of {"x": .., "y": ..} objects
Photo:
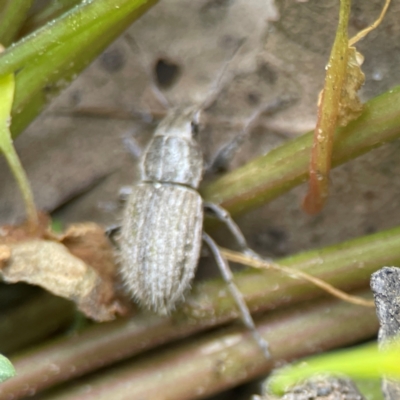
[
  {"x": 17, "y": 233},
  {"x": 350, "y": 106},
  {"x": 89, "y": 242},
  {"x": 50, "y": 265}
]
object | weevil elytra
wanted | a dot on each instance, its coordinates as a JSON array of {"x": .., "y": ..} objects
[{"x": 163, "y": 221}]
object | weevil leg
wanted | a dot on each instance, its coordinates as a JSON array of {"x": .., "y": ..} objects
[
  {"x": 237, "y": 295},
  {"x": 111, "y": 232},
  {"x": 132, "y": 146},
  {"x": 223, "y": 215},
  {"x": 227, "y": 152}
]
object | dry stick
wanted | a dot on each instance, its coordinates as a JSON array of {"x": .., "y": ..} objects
[
  {"x": 365, "y": 31},
  {"x": 262, "y": 264},
  {"x": 223, "y": 359},
  {"x": 208, "y": 305}
]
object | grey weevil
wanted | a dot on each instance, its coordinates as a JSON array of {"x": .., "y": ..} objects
[
  {"x": 162, "y": 226},
  {"x": 163, "y": 221}
]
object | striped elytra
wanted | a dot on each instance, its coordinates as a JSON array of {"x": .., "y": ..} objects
[{"x": 163, "y": 219}]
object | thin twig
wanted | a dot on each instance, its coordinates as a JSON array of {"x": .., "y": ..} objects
[
  {"x": 262, "y": 264},
  {"x": 365, "y": 31}
]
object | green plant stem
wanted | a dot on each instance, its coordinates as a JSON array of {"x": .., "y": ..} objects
[
  {"x": 22, "y": 180},
  {"x": 12, "y": 15},
  {"x": 7, "y": 85},
  {"x": 347, "y": 265},
  {"x": 328, "y": 111},
  {"x": 218, "y": 361},
  {"x": 50, "y": 57},
  {"x": 285, "y": 167}
]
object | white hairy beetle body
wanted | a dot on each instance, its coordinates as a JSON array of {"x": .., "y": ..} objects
[{"x": 163, "y": 220}]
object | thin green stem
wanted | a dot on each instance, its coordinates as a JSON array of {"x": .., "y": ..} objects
[
  {"x": 285, "y": 167},
  {"x": 328, "y": 111},
  {"x": 7, "y": 86}
]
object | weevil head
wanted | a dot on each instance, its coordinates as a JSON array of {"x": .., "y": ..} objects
[
  {"x": 180, "y": 122},
  {"x": 173, "y": 155}
]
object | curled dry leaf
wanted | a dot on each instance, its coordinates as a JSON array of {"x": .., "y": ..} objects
[
  {"x": 350, "y": 106},
  {"x": 88, "y": 242},
  {"x": 78, "y": 266}
]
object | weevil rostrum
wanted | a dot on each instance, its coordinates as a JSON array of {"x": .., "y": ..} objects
[{"x": 162, "y": 228}]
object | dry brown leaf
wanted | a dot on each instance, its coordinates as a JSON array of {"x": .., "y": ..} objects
[
  {"x": 17, "y": 233},
  {"x": 350, "y": 106},
  {"x": 50, "y": 265},
  {"x": 89, "y": 242},
  {"x": 78, "y": 265}
]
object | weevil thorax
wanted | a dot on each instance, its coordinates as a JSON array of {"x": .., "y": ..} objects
[{"x": 173, "y": 155}]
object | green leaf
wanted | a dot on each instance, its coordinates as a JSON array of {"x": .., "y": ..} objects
[
  {"x": 49, "y": 58},
  {"x": 363, "y": 362},
  {"x": 7, "y": 370}
]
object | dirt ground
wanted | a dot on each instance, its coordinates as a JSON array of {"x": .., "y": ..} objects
[{"x": 77, "y": 153}]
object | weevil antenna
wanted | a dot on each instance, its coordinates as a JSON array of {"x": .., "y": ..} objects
[
  {"x": 216, "y": 86},
  {"x": 144, "y": 63},
  {"x": 226, "y": 153}
]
